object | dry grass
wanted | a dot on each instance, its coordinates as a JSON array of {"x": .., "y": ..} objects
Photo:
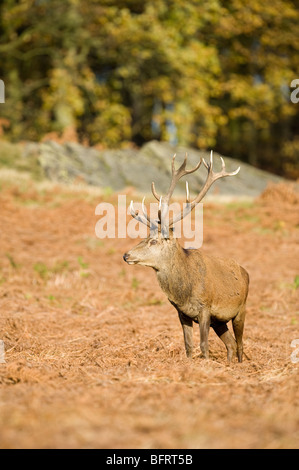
[{"x": 94, "y": 352}]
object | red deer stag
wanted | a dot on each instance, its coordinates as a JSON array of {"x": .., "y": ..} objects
[{"x": 205, "y": 289}]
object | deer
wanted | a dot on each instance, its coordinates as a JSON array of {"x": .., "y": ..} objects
[{"x": 207, "y": 290}]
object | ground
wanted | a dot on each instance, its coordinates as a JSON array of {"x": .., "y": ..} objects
[{"x": 94, "y": 353}]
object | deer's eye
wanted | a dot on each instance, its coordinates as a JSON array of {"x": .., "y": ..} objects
[{"x": 153, "y": 242}]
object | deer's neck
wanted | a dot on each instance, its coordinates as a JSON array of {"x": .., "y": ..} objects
[{"x": 174, "y": 276}]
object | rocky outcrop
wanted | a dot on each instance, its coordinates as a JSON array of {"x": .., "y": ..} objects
[
  {"x": 122, "y": 168},
  {"x": 117, "y": 169}
]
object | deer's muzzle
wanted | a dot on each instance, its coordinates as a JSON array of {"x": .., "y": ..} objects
[{"x": 127, "y": 259}]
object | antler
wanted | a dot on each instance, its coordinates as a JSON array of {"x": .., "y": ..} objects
[
  {"x": 211, "y": 178},
  {"x": 145, "y": 219},
  {"x": 176, "y": 175},
  {"x": 164, "y": 200}
]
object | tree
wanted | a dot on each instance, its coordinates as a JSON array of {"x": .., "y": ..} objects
[
  {"x": 259, "y": 58},
  {"x": 207, "y": 74}
]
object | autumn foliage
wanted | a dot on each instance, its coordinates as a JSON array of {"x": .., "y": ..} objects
[{"x": 205, "y": 74}]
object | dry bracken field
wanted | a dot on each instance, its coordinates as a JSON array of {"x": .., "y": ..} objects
[{"x": 94, "y": 353}]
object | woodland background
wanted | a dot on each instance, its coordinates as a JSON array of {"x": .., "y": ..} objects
[{"x": 205, "y": 74}]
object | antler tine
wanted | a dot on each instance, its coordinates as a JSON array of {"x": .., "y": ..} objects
[
  {"x": 223, "y": 164},
  {"x": 132, "y": 210},
  {"x": 187, "y": 193},
  {"x": 233, "y": 173},
  {"x": 209, "y": 166},
  {"x": 182, "y": 167},
  {"x": 153, "y": 224},
  {"x": 211, "y": 178},
  {"x": 145, "y": 211},
  {"x": 172, "y": 164},
  {"x": 156, "y": 195},
  {"x": 160, "y": 210},
  {"x": 193, "y": 169},
  {"x": 178, "y": 174},
  {"x": 225, "y": 173},
  {"x": 182, "y": 171},
  {"x": 145, "y": 219}
]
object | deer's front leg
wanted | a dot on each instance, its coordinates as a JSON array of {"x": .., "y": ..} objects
[
  {"x": 204, "y": 320},
  {"x": 187, "y": 325}
]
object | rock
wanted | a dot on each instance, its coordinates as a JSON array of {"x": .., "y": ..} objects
[{"x": 118, "y": 169}]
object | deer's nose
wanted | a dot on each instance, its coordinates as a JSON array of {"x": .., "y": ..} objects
[{"x": 126, "y": 256}]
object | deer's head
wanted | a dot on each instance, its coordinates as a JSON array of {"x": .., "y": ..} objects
[
  {"x": 161, "y": 243},
  {"x": 153, "y": 251}
]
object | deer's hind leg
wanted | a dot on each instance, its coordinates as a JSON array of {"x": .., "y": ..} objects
[
  {"x": 238, "y": 327},
  {"x": 224, "y": 334}
]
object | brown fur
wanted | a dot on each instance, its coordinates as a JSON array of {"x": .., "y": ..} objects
[{"x": 208, "y": 290}]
